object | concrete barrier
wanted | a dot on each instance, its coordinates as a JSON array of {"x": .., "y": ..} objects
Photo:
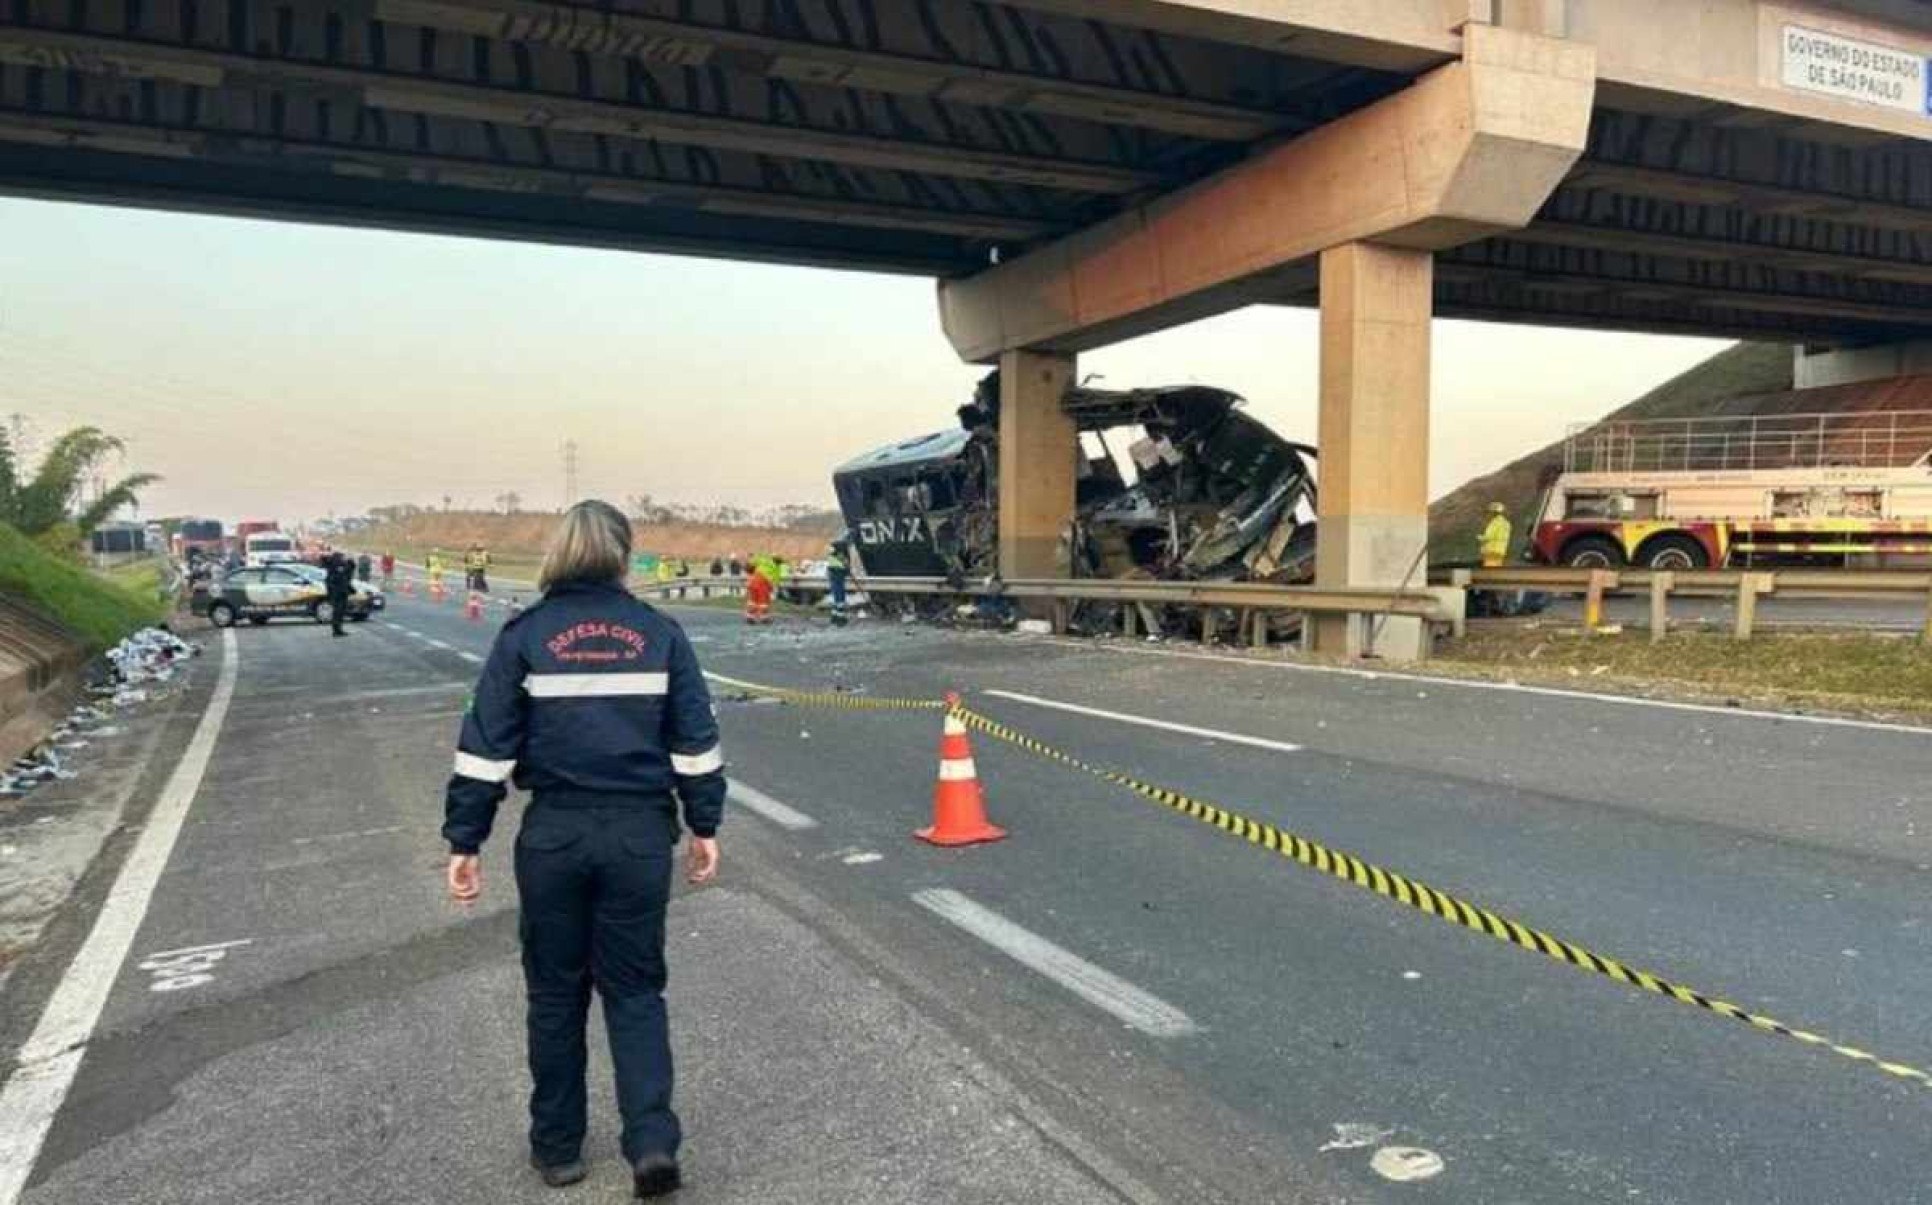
[{"x": 40, "y": 676}]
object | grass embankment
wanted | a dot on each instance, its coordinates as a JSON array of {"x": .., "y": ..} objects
[
  {"x": 99, "y": 611},
  {"x": 1865, "y": 674}
]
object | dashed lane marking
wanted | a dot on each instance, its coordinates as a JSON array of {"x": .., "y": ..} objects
[
  {"x": 782, "y": 814},
  {"x": 1101, "y": 988},
  {"x": 445, "y": 645},
  {"x": 1215, "y": 734},
  {"x": 51, "y": 1057},
  {"x": 470, "y": 657}
]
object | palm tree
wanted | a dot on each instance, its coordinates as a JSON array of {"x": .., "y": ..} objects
[{"x": 39, "y": 504}]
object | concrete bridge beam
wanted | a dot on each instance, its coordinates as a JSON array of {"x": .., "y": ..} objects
[{"x": 1473, "y": 148}]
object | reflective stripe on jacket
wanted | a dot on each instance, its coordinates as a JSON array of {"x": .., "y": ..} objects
[{"x": 590, "y": 696}]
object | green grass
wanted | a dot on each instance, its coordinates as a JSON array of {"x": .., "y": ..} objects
[
  {"x": 1849, "y": 672},
  {"x": 139, "y": 578},
  {"x": 99, "y": 611}
]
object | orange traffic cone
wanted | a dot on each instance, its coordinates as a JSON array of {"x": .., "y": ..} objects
[
  {"x": 958, "y": 807},
  {"x": 407, "y": 588},
  {"x": 473, "y": 609},
  {"x": 435, "y": 591}
]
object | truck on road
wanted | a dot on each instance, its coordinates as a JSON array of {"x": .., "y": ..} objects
[{"x": 1851, "y": 489}]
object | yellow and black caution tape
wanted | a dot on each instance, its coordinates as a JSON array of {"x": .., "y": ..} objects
[
  {"x": 1424, "y": 898},
  {"x": 828, "y": 698},
  {"x": 1350, "y": 869}
]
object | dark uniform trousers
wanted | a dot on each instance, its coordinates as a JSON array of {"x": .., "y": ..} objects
[{"x": 594, "y": 882}]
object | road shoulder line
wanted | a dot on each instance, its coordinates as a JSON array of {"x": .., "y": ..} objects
[
  {"x": 50, "y": 1058},
  {"x": 1557, "y": 692}
]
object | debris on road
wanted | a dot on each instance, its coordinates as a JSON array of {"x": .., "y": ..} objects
[
  {"x": 151, "y": 657},
  {"x": 1215, "y": 496}
]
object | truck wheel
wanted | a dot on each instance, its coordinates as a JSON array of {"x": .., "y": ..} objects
[
  {"x": 221, "y": 615},
  {"x": 1593, "y": 552},
  {"x": 1673, "y": 552}
]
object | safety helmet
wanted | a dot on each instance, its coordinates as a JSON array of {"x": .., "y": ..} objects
[{"x": 1496, "y": 508}]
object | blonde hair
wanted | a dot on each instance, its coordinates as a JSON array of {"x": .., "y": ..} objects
[{"x": 593, "y": 544}]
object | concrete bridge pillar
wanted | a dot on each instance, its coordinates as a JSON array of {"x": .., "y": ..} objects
[
  {"x": 1373, "y": 503},
  {"x": 1039, "y": 451}
]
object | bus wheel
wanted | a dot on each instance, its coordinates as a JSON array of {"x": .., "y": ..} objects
[
  {"x": 1592, "y": 552},
  {"x": 1673, "y": 553}
]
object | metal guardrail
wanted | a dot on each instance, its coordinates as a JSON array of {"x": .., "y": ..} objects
[
  {"x": 1744, "y": 585},
  {"x": 1254, "y": 601}
]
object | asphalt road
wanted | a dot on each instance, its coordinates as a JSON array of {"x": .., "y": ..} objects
[{"x": 1181, "y": 1016}]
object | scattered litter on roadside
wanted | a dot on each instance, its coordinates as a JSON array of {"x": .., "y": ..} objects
[
  {"x": 128, "y": 674},
  {"x": 1035, "y": 627}
]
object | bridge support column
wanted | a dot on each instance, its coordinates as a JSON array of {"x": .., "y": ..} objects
[
  {"x": 1373, "y": 500},
  {"x": 1039, "y": 449}
]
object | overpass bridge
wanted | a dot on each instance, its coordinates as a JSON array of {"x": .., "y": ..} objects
[{"x": 1073, "y": 172}]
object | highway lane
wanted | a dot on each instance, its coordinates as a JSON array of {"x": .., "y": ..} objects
[
  {"x": 1780, "y": 863},
  {"x": 1776, "y": 862}
]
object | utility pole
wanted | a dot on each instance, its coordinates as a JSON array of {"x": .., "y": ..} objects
[{"x": 570, "y": 473}]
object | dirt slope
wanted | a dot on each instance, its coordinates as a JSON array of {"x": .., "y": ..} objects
[
  {"x": 525, "y": 536},
  {"x": 1734, "y": 380}
]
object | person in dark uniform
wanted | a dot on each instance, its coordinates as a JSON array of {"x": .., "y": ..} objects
[
  {"x": 593, "y": 702},
  {"x": 837, "y": 568},
  {"x": 338, "y": 572}
]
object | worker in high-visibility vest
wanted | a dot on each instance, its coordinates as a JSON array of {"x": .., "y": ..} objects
[
  {"x": 477, "y": 565},
  {"x": 1495, "y": 537},
  {"x": 758, "y": 591},
  {"x": 435, "y": 565}
]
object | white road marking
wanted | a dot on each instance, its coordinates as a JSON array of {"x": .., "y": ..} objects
[
  {"x": 1349, "y": 1135},
  {"x": 1516, "y": 687},
  {"x": 862, "y": 858},
  {"x": 174, "y": 970},
  {"x": 52, "y": 1055},
  {"x": 441, "y": 644},
  {"x": 350, "y": 836},
  {"x": 1100, "y": 988},
  {"x": 218, "y": 945},
  {"x": 782, "y": 814},
  {"x": 1232, "y": 738},
  {"x": 470, "y": 657},
  {"x": 1406, "y": 1163}
]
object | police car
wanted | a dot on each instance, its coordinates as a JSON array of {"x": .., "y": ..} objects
[{"x": 267, "y": 592}]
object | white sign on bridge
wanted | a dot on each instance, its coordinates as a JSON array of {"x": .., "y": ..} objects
[{"x": 1851, "y": 69}]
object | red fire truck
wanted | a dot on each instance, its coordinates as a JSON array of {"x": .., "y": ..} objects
[{"x": 1846, "y": 488}]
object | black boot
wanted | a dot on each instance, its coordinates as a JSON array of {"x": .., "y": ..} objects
[
  {"x": 657, "y": 1176},
  {"x": 560, "y": 1175}
]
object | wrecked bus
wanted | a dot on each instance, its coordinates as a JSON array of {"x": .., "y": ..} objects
[{"x": 1206, "y": 493}]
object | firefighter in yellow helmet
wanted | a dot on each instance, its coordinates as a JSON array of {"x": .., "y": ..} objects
[{"x": 1495, "y": 537}]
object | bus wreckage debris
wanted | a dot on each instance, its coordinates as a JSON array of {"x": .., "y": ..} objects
[{"x": 1205, "y": 493}]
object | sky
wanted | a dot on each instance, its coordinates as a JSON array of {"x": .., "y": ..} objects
[{"x": 276, "y": 370}]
